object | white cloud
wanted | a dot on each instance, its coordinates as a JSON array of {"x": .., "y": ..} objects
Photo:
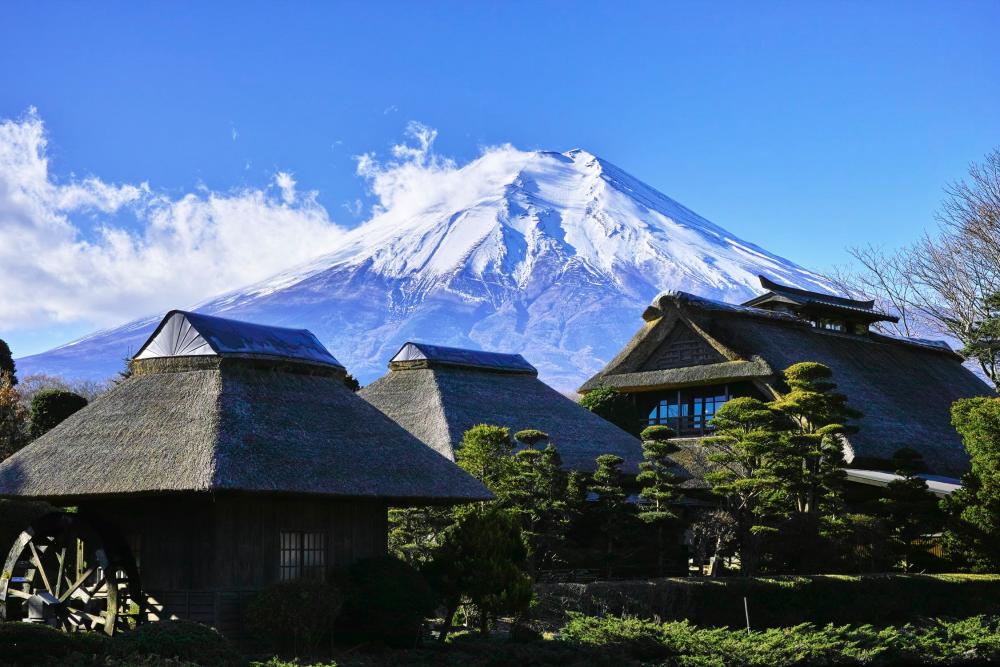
[{"x": 67, "y": 256}]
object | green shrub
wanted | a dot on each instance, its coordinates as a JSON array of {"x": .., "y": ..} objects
[
  {"x": 777, "y": 601},
  {"x": 387, "y": 601},
  {"x": 31, "y": 645},
  {"x": 49, "y": 407},
  {"x": 179, "y": 640},
  {"x": 293, "y": 616}
]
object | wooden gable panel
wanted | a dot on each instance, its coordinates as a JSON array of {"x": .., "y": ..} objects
[{"x": 682, "y": 347}]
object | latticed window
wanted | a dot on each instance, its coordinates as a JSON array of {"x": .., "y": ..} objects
[
  {"x": 303, "y": 556},
  {"x": 689, "y": 412}
]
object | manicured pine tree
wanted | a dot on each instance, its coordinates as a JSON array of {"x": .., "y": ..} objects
[
  {"x": 610, "y": 506},
  {"x": 658, "y": 484},
  {"x": 983, "y": 341},
  {"x": 414, "y": 532},
  {"x": 972, "y": 528},
  {"x": 482, "y": 560},
  {"x": 908, "y": 509},
  {"x": 7, "y": 362},
  {"x": 816, "y": 416},
  {"x": 486, "y": 453},
  {"x": 743, "y": 449}
]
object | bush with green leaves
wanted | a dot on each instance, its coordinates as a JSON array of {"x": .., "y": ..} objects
[
  {"x": 30, "y": 645},
  {"x": 614, "y": 406},
  {"x": 50, "y": 407},
  {"x": 387, "y": 602},
  {"x": 184, "y": 641},
  {"x": 293, "y": 617}
]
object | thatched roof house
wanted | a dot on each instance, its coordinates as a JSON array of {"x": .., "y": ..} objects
[
  {"x": 234, "y": 457},
  {"x": 692, "y": 354},
  {"x": 437, "y": 393},
  {"x": 215, "y": 405}
]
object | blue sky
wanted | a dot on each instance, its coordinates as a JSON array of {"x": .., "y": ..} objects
[{"x": 803, "y": 127}]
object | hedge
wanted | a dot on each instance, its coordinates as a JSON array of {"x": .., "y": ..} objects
[{"x": 890, "y": 599}]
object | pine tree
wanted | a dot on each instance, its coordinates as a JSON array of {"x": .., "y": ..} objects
[
  {"x": 13, "y": 417},
  {"x": 909, "y": 510},
  {"x": 7, "y": 364},
  {"x": 610, "y": 507},
  {"x": 813, "y": 460},
  {"x": 743, "y": 449},
  {"x": 972, "y": 530},
  {"x": 482, "y": 561},
  {"x": 486, "y": 454},
  {"x": 659, "y": 484},
  {"x": 538, "y": 493},
  {"x": 414, "y": 532},
  {"x": 982, "y": 342}
]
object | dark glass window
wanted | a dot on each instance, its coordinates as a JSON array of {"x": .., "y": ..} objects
[
  {"x": 689, "y": 411},
  {"x": 303, "y": 556}
]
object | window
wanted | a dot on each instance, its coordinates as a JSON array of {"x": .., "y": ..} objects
[
  {"x": 303, "y": 556},
  {"x": 689, "y": 412},
  {"x": 830, "y": 325}
]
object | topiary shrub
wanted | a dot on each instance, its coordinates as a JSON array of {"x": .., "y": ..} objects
[
  {"x": 184, "y": 641},
  {"x": 294, "y": 617},
  {"x": 387, "y": 601},
  {"x": 30, "y": 645},
  {"x": 49, "y": 407},
  {"x": 531, "y": 436},
  {"x": 658, "y": 433}
]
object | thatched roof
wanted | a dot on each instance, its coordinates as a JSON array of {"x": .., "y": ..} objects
[
  {"x": 438, "y": 397},
  {"x": 904, "y": 387},
  {"x": 270, "y": 414}
]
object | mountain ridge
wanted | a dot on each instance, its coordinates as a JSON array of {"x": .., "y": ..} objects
[{"x": 552, "y": 255}]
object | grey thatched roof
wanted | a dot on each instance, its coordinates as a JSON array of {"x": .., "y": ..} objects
[
  {"x": 438, "y": 402},
  {"x": 905, "y": 388},
  {"x": 218, "y": 423}
]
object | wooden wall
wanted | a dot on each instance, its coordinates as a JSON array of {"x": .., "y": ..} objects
[{"x": 199, "y": 556}]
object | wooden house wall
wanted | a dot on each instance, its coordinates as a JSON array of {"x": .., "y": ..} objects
[{"x": 201, "y": 558}]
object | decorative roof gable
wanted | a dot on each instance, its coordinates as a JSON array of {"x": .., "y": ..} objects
[{"x": 421, "y": 354}]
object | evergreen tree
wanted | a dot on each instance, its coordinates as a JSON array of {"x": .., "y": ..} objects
[
  {"x": 531, "y": 437},
  {"x": 351, "y": 382},
  {"x": 614, "y": 406},
  {"x": 659, "y": 484},
  {"x": 486, "y": 454},
  {"x": 610, "y": 506},
  {"x": 538, "y": 493},
  {"x": 972, "y": 530},
  {"x": 414, "y": 532},
  {"x": 49, "y": 407},
  {"x": 813, "y": 458},
  {"x": 13, "y": 417},
  {"x": 743, "y": 449},
  {"x": 982, "y": 341},
  {"x": 482, "y": 561},
  {"x": 909, "y": 510},
  {"x": 7, "y": 362}
]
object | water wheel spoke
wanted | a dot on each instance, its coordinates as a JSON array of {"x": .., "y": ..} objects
[
  {"x": 13, "y": 592},
  {"x": 77, "y": 585},
  {"x": 61, "y": 558},
  {"x": 36, "y": 559}
]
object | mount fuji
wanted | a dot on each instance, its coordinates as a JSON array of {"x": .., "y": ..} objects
[{"x": 553, "y": 255}]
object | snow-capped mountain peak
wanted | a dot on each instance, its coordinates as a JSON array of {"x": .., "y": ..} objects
[{"x": 552, "y": 255}]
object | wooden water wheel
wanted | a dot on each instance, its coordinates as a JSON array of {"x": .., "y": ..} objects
[{"x": 70, "y": 573}]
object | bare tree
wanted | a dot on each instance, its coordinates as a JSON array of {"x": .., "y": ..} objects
[{"x": 883, "y": 276}]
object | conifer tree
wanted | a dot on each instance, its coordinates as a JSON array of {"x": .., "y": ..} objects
[
  {"x": 743, "y": 450},
  {"x": 658, "y": 484},
  {"x": 486, "y": 454},
  {"x": 909, "y": 510},
  {"x": 812, "y": 461},
  {"x": 7, "y": 362},
  {"x": 972, "y": 534},
  {"x": 538, "y": 493},
  {"x": 610, "y": 507},
  {"x": 49, "y": 407}
]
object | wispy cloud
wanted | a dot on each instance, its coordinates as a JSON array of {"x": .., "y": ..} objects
[{"x": 97, "y": 252}]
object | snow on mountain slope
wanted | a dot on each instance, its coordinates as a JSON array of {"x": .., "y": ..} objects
[{"x": 553, "y": 255}]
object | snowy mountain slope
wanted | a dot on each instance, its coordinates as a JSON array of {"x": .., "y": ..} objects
[{"x": 553, "y": 255}]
